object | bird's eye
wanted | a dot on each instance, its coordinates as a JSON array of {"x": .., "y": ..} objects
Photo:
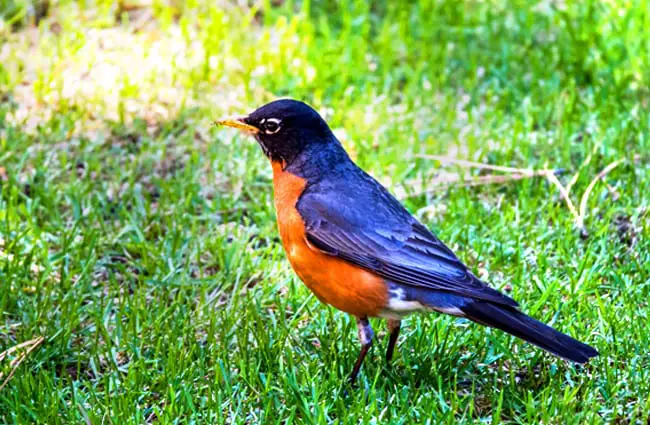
[{"x": 271, "y": 125}]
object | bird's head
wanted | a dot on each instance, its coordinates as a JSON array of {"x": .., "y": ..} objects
[{"x": 284, "y": 128}]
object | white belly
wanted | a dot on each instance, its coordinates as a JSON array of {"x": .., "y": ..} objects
[{"x": 398, "y": 306}]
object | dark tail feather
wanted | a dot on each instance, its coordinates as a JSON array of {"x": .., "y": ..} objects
[{"x": 518, "y": 324}]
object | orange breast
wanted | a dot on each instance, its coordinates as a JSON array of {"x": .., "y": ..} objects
[{"x": 334, "y": 281}]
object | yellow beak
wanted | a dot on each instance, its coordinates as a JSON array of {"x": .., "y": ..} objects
[{"x": 239, "y": 124}]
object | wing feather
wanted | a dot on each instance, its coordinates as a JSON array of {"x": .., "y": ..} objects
[{"x": 390, "y": 243}]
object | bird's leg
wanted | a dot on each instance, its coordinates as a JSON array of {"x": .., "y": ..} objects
[
  {"x": 365, "y": 337},
  {"x": 393, "y": 328}
]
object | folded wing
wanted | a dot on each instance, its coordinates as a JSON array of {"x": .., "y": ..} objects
[{"x": 372, "y": 230}]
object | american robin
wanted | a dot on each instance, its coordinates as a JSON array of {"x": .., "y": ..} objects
[{"x": 358, "y": 249}]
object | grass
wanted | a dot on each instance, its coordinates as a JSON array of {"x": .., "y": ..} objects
[{"x": 140, "y": 242}]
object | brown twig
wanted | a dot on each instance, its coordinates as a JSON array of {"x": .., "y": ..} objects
[
  {"x": 586, "y": 162},
  {"x": 579, "y": 213},
  {"x": 477, "y": 181},
  {"x": 599, "y": 176},
  {"x": 30, "y": 346},
  {"x": 480, "y": 165},
  {"x": 567, "y": 198},
  {"x": 513, "y": 174}
]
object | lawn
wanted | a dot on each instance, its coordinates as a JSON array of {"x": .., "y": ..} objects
[{"x": 141, "y": 275}]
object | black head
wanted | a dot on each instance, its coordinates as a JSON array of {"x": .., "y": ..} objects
[{"x": 284, "y": 128}]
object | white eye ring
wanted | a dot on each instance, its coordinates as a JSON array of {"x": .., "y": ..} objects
[{"x": 273, "y": 128}]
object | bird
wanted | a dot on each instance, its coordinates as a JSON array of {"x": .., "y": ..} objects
[{"x": 358, "y": 249}]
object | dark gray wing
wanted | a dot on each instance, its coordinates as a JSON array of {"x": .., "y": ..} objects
[{"x": 372, "y": 230}]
